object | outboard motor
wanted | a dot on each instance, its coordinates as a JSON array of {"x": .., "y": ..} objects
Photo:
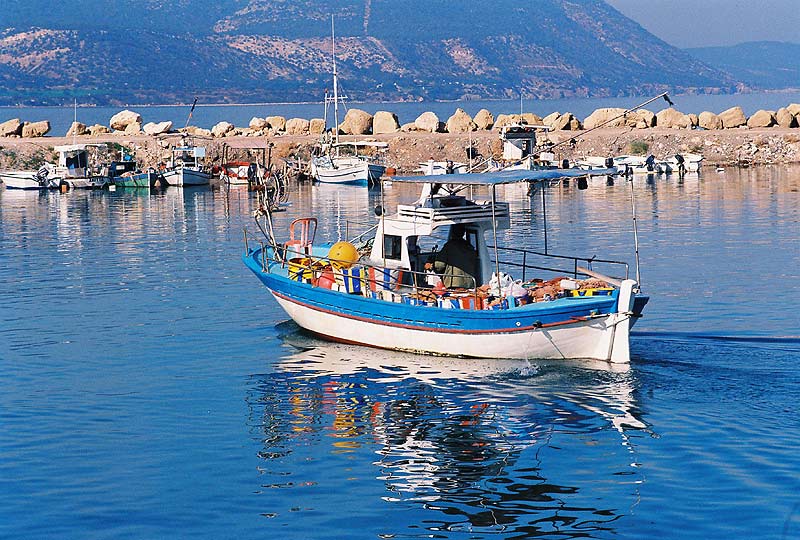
[
  {"x": 565, "y": 164},
  {"x": 609, "y": 162},
  {"x": 681, "y": 165},
  {"x": 650, "y": 162}
]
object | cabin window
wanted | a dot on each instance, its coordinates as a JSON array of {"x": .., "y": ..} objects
[{"x": 392, "y": 247}]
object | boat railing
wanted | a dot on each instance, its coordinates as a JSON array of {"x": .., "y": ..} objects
[
  {"x": 528, "y": 261},
  {"x": 398, "y": 280},
  {"x": 455, "y": 214},
  {"x": 367, "y": 227}
]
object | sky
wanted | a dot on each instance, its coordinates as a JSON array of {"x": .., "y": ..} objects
[{"x": 708, "y": 23}]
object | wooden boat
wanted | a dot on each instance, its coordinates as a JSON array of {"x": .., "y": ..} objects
[
  {"x": 382, "y": 296},
  {"x": 343, "y": 163}
]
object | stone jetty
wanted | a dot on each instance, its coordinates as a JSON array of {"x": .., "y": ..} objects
[{"x": 730, "y": 136}]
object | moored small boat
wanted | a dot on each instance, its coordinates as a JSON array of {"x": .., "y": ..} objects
[
  {"x": 26, "y": 179},
  {"x": 187, "y": 167}
]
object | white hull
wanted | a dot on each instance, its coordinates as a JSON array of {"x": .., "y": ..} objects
[
  {"x": 186, "y": 177},
  {"x": 347, "y": 171},
  {"x": 21, "y": 180},
  {"x": 95, "y": 182},
  {"x": 604, "y": 338}
]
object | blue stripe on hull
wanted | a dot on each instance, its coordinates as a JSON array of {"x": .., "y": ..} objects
[{"x": 354, "y": 306}]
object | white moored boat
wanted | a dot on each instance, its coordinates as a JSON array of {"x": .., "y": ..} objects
[
  {"x": 26, "y": 179},
  {"x": 187, "y": 167},
  {"x": 336, "y": 166},
  {"x": 389, "y": 297}
]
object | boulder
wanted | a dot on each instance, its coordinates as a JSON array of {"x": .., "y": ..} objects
[
  {"x": 77, "y": 129},
  {"x": 98, "y": 129},
  {"x": 121, "y": 120},
  {"x": 152, "y": 128},
  {"x": 134, "y": 128},
  {"x": 222, "y": 129},
  {"x": 709, "y": 120},
  {"x": 258, "y": 124},
  {"x": 460, "y": 122},
  {"x": 277, "y": 123},
  {"x": 507, "y": 120},
  {"x": 694, "y": 119},
  {"x": 484, "y": 120},
  {"x": 316, "y": 126},
  {"x": 671, "y": 118},
  {"x": 794, "y": 109},
  {"x": 35, "y": 129},
  {"x": 409, "y": 127},
  {"x": 733, "y": 118},
  {"x": 600, "y": 116},
  {"x": 356, "y": 122},
  {"x": 565, "y": 122},
  {"x": 428, "y": 122},
  {"x": 785, "y": 118},
  {"x": 641, "y": 119},
  {"x": 550, "y": 119},
  {"x": 531, "y": 119},
  {"x": 762, "y": 119},
  {"x": 11, "y": 128},
  {"x": 297, "y": 126},
  {"x": 385, "y": 122}
]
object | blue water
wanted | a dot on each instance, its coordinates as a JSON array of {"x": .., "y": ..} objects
[
  {"x": 153, "y": 389},
  {"x": 207, "y": 116}
]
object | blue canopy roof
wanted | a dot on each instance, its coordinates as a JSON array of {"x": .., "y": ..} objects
[{"x": 502, "y": 177}]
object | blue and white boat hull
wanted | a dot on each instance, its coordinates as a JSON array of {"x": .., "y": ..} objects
[{"x": 595, "y": 328}]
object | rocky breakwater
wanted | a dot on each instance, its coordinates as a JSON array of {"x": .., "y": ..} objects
[{"x": 726, "y": 137}]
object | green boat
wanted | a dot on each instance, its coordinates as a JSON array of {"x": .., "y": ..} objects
[{"x": 148, "y": 179}]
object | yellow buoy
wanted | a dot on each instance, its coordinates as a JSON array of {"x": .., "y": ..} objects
[{"x": 343, "y": 255}]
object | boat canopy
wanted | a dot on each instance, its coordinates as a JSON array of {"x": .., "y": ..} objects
[
  {"x": 370, "y": 144},
  {"x": 77, "y": 147},
  {"x": 502, "y": 177}
]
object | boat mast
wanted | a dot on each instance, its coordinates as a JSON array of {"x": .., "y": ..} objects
[{"x": 335, "y": 86}]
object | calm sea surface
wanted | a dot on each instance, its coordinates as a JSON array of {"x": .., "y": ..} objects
[
  {"x": 207, "y": 116},
  {"x": 151, "y": 387}
]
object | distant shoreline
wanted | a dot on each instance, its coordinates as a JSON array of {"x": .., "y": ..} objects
[{"x": 778, "y": 92}]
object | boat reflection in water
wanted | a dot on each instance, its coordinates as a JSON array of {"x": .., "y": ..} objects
[{"x": 506, "y": 446}]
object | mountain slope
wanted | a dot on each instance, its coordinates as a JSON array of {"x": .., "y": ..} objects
[
  {"x": 761, "y": 64},
  {"x": 279, "y": 50}
]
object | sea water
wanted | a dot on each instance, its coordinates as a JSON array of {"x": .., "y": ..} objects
[{"x": 152, "y": 388}]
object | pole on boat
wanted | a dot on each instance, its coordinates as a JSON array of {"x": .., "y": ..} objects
[
  {"x": 191, "y": 111},
  {"x": 494, "y": 232},
  {"x": 335, "y": 86},
  {"x": 664, "y": 95},
  {"x": 544, "y": 216},
  {"x": 629, "y": 178}
]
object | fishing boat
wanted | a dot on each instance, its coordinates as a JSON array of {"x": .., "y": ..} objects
[
  {"x": 344, "y": 162},
  {"x": 81, "y": 166},
  {"x": 187, "y": 167},
  {"x": 390, "y": 291}
]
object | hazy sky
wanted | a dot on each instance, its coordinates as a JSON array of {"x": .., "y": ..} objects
[{"x": 701, "y": 23}]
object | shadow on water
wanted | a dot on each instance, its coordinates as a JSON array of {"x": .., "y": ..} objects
[{"x": 461, "y": 446}]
